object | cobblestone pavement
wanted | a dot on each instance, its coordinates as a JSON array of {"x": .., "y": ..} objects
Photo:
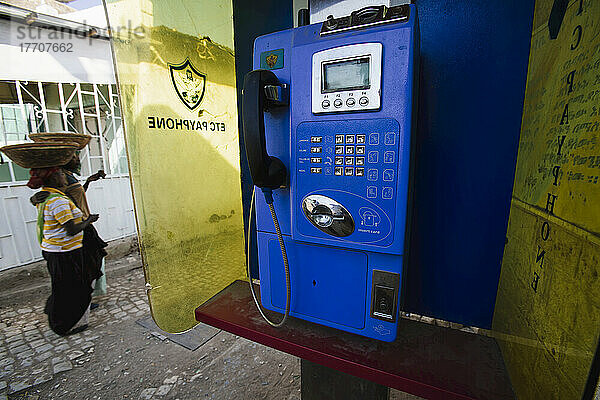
[
  {"x": 31, "y": 354},
  {"x": 117, "y": 358}
]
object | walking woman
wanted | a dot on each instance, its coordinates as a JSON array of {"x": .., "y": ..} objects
[{"x": 60, "y": 231}]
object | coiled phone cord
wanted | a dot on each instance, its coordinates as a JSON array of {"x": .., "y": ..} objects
[{"x": 269, "y": 199}]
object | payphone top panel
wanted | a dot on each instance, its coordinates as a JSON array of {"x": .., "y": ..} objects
[
  {"x": 361, "y": 93},
  {"x": 377, "y": 66}
]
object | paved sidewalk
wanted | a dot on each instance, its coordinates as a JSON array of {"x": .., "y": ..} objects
[{"x": 119, "y": 359}]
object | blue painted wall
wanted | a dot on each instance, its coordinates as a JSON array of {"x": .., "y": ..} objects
[
  {"x": 251, "y": 20},
  {"x": 474, "y": 58}
]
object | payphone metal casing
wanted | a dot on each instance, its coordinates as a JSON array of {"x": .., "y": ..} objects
[{"x": 347, "y": 151}]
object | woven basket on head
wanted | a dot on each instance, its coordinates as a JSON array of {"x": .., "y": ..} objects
[
  {"x": 81, "y": 139},
  {"x": 40, "y": 155}
]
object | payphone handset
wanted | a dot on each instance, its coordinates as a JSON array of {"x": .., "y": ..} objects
[
  {"x": 262, "y": 91},
  {"x": 328, "y": 124}
]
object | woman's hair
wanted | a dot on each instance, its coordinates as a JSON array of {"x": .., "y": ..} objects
[{"x": 44, "y": 177}]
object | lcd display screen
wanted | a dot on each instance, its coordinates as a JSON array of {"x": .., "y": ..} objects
[{"x": 346, "y": 75}]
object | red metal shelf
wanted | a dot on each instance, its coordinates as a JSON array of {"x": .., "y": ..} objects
[{"x": 425, "y": 360}]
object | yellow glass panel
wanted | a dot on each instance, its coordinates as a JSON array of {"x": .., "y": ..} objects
[
  {"x": 547, "y": 314},
  {"x": 175, "y": 65}
]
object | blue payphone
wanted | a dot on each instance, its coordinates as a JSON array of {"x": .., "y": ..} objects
[{"x": 328, "y": 116}]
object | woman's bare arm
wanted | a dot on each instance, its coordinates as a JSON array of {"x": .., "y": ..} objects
[{"x": 73, "y": 228}]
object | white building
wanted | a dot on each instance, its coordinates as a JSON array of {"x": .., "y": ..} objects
[{"x": 58, "y": 75}]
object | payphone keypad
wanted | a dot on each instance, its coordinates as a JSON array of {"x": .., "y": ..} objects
[
  {"x": 354, "y": 156},
  {"x": 356, "y": 162}
]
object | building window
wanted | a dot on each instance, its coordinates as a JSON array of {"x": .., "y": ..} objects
[{"x": 32, "y": 107}]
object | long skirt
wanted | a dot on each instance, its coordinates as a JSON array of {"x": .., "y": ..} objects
[{"x": 71, "y": 289}]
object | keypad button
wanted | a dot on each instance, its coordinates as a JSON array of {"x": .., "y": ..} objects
[
  {"x": 337, "y": 103},
  {"x": 372, "y": 175},
  {"x": 315, "y": 170},
  {"x": 349, "y": 171},
  {"x": 339, "y": 149},
  {"x": 390, "y": 138},
  {"x": 325, "y": 104},
  {"x": 339, "y": 161},
  {"x": 328, "y": 171},
  {"x": 363, "y": 101},
  {"x": 316, "y": 139},
  {"x": 349, "y": 139},
  {"x": 315, "y": 160},
  {"x": 374, "y": 139},
  {"x": 360, "y": 161},
  {"x": 349, "y": 149},
  {"x": 339, "y": 171},
  {"x": 359, "y": 171},
  {"x": 387, "y": 193},
  {"x": 388, "y": 157},
  {"x": 339, "y": 139},
  {"x": 349, "y": 160},
  {"x": 315, "y": 149},
  {"x": 388, "y": 175},
  {"x": 350, "y": 102},
  {"x": 373, "y": 156},
  {"x": 361, "y": 139},
  {"x": 371, "y": 192},
  {"x": 360, "y": 150}
]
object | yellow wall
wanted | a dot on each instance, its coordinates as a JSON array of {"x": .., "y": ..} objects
[
  {"x": 547, "y": 317},
  {"x": 186, "y": 181}
]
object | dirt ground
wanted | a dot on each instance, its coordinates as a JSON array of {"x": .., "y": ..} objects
[{"x": 116, "y": 358}]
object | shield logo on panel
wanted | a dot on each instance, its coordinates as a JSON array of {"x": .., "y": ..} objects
[
  {"x": 272, "y": 60},
  {"x": 189, "y": 83}
]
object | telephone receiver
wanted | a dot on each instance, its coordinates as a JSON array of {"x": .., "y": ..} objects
[{"x": 262, "y": 92}]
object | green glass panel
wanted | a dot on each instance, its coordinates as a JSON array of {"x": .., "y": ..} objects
[
  {"x": 123, "y": 168},
  {"x": 71, "y": 99},
  {"x": 97, "y": 164},
  {"x": 21, "y": 174},
  {"x": 8, "y": 113},
  {"x": 55, "y": 122},
  {"x": 103, "y": 97},
  {"x": 4, "y": 171},
  {"x": 51, "y": 96},
  {"x": 186, "y": 177},
  {"x": 87, "y": 87},
  {"x": 22, "y": 125},
  {"x": 89, "y": 102},
  {"x": 547, "y": 315},
  {"x": 10, "y": 125}
]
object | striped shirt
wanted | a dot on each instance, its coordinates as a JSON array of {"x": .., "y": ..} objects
[{"x": 57, "y": 212}]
